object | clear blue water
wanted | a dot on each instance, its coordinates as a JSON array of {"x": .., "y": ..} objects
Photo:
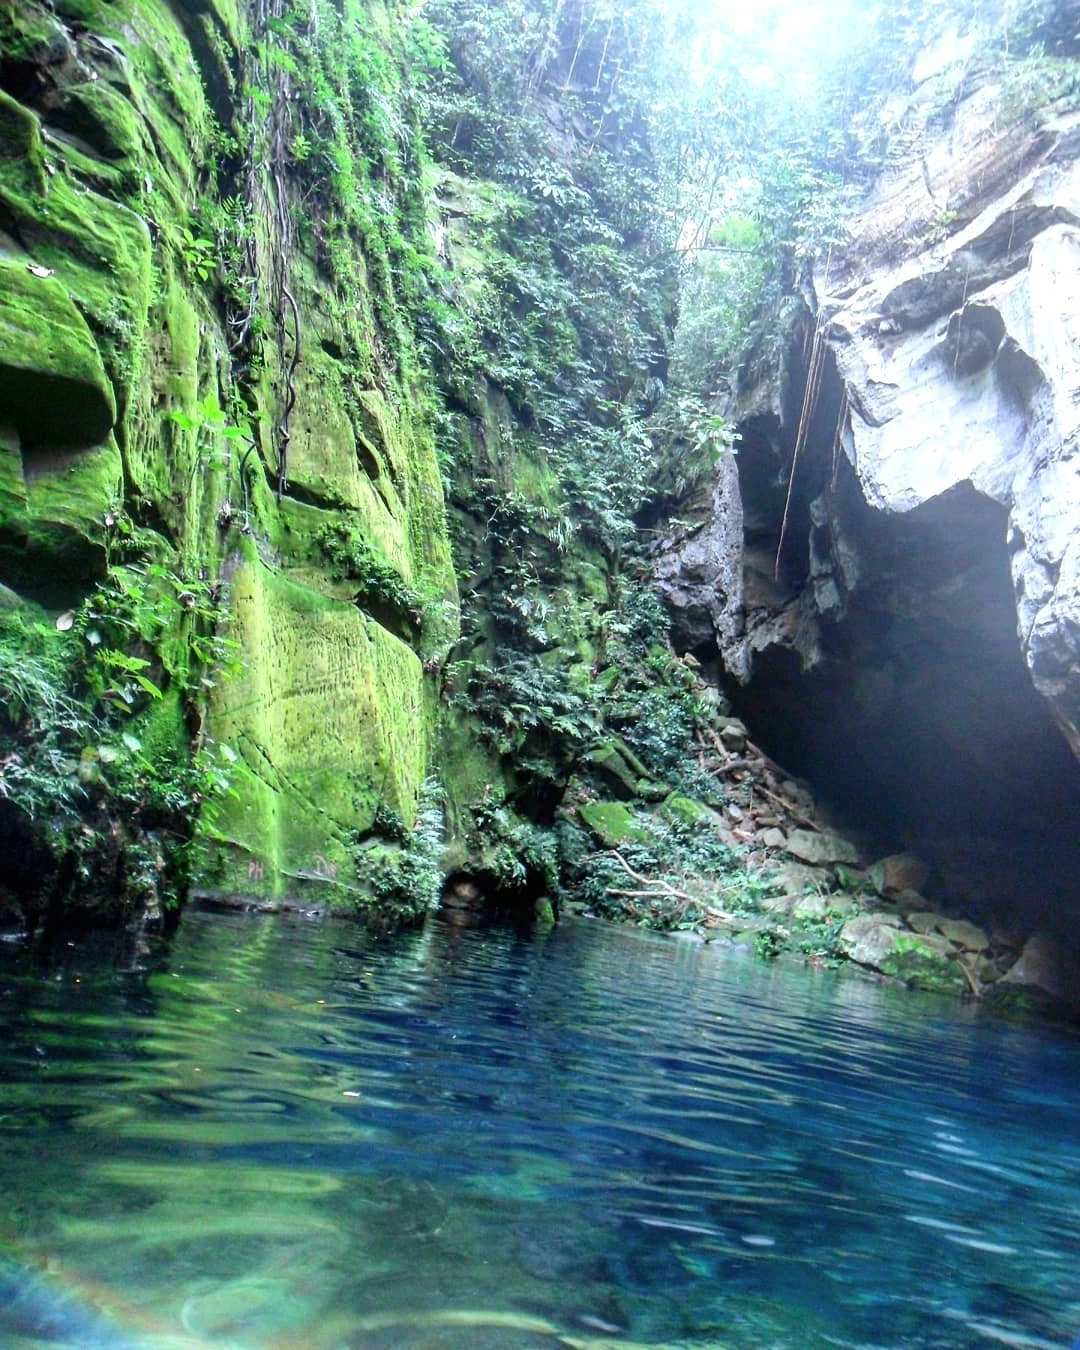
[{"x": 275, "y": 1133}]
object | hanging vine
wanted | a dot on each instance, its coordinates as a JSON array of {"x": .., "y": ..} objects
[{"x": 264, "y": 202}]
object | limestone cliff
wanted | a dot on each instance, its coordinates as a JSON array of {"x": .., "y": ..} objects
[
  {"x": 909, "y": 530},
  {"x": 952, "y": 324}
]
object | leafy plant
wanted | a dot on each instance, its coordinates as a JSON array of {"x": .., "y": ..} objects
[
  {"x": 211, "y": 424},
  {"x": 97, "y": 767},
  {"x": 404, "y": 877},
  {"x": 198, "y": 254}
]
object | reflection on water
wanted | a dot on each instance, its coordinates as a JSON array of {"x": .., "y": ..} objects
[{"x": 283, "y": 1135}]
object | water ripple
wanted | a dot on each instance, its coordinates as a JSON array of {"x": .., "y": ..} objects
[{"x": 268, "y": 1136}]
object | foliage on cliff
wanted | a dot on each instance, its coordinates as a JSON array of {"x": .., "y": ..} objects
[
  {"x": 214, "y": 217},
  {"x": 780, "y": 161},
  {"x": 281, "y": 282},
  {"x": 550, "y": 336}
]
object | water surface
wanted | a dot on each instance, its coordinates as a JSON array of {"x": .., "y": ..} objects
[{"x": 277, "y": 1133}]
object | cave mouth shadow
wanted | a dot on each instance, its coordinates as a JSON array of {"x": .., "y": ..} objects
[{"x": 920, "y": 729}]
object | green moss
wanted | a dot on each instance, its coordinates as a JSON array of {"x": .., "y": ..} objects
[
  {"x": 328, "y": 718},
  {"x": 67, "y": 497},
  {"x": 919, "y": 963},
  {"x": 104, "y": 120},
  {"x": 20, "y": 144},
  {"x": 680, "y": 809},
  {"x": 606, "y": 760},
  {"x": 333, "y": 717},
  {"x": 613, "y": 823},
  {"x": 53, "y": 387},
  {"x": 162, "y": 728}
]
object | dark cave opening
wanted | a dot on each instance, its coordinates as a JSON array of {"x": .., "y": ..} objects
[{"x": 897, "y": 688}]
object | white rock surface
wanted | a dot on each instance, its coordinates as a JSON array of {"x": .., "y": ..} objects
[{"x": 960, "y": 356}]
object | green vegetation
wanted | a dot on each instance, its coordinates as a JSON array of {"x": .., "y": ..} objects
[
  {"x": 398, "y": 868},
  {"x": 311, "y": 316},
  {"x": 774, "y": 167},
  {"x": 105, "y": 767}
]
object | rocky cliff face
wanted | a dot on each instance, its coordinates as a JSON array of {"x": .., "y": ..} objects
[
  {"x": 910, "y": 635},
  {"x": 271, "y": 276},
  {"x": 216, "y": 445},
  {"x": 958, "y": 356}
]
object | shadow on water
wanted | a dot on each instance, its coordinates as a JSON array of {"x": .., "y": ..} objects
[{"x": 273, "y": 1133}]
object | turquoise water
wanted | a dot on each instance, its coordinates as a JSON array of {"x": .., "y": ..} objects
[{"x": 276, "y": 1133}]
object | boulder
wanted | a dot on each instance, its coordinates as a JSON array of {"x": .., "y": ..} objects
[
  {"x": 609, "y": 762},
  {"x": 898, "y": 872},
  {"x": 812, "y": 908},
  {"x": 869, "y": 939},
  {"x": 774, "y": 838},
  {"x": 921, "y": 960},
  {"x": 962, "y": 933},
  {"x": 842, "y": 906},
  {"x": 814, "y": 846},
  {"x": 1048, "y": 963},
  {"x": 798, "y": 879},
  {"x": 925, "y": 961},
  {"x": 733, "y": 735},
  {"x": 613, "y": 823},
  {"x": 680, "y": 809},
  {"x": 924, "y": 921}
]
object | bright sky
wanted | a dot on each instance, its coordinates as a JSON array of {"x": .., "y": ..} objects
[{"x": 788, "y": 37}]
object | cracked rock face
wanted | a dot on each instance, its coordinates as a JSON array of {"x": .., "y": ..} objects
[
  {"x": 700, "y": 574},
  {"x": 905, "y": 631},
  {"x": 960, "y": 363}
]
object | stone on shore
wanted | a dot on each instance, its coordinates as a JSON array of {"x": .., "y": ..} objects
[
  {"x": 898, "y": 872},
  {"x": 1048, "y": 963},
  {"x": 813, "y": 846}
]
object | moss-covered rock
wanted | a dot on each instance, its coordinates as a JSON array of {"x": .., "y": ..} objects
[
  {"x": 136, "y": 424},
  {"x": 329, "y": 724},
  {"x": 613, "y": 823},
  {"x": 53, "y": 387},
  {"x": 923, "y": 962},
  {"x": 614, "y": 769},
  {"x": 680, "y": 809}
]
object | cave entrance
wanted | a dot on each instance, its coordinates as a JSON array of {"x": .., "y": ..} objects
[{"x": 917, "y": 723}]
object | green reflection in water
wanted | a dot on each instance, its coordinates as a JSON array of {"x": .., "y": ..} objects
[{"x": 276, "y": 1134}]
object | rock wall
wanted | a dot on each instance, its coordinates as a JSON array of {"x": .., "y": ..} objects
[
  {"x": 909, "y": 635},
  {"x": 958, "y": 354},
  {"x": 207, "y": 389},
  {"x": 273, "y": 275}
]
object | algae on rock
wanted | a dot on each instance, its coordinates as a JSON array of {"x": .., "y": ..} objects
[{"x": 140, "y": 418}]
